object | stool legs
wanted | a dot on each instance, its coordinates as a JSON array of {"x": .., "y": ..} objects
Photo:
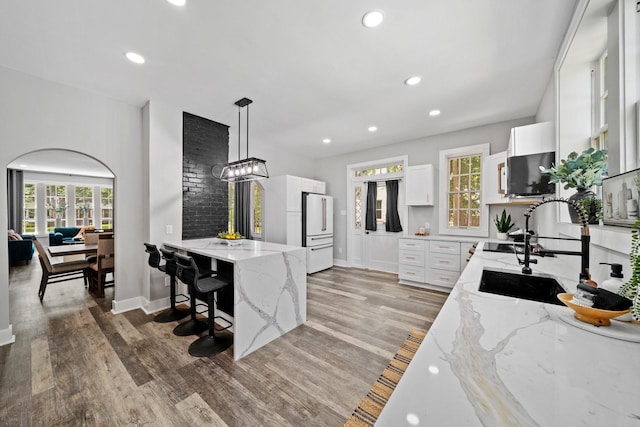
[
  {"x": 192, "y": 326},
  {"x": 173, "y": 313},
  {"x": 210, "y": 344}
]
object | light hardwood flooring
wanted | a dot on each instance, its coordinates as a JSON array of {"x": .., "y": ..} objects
[{"x": 76, "y": 363}]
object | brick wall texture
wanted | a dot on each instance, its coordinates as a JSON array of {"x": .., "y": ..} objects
[{"x": 205, "y": 210}]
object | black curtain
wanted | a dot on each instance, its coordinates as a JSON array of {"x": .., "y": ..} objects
[
  {"x": 243, "y": 208},
  {"x": 15, "y": 197},
  {"x": 370, "y": 216},
  {"x": 392, "y": 219}
]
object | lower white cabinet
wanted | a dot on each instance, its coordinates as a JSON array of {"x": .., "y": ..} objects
[{"x": 424, "y": 262}]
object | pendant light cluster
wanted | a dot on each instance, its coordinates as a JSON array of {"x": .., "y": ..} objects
[{"x": 248, "y": 169}]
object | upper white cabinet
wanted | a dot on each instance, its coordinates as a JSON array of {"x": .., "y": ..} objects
[
  {"x": 419, "y": 185},
  {"x": 531, "y": 139},
  {"x": 494, "y": 178}
]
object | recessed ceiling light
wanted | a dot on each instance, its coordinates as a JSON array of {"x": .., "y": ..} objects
[
  {"x": 434, "y": 113},
  {"x": 412, "y": 81},
  {"x": 177, "y": 2},
  {"x": 135, "y": 57},
  {"x": 372, "y": 128},
  {"x": 373, "y": 18},
  {"x": 326, "y": 140}
]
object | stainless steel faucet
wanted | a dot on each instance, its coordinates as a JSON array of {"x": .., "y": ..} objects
[{"x": 584, "y": 238}]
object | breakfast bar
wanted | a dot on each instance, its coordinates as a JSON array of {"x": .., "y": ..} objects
[{"x": 270, "y": 287}]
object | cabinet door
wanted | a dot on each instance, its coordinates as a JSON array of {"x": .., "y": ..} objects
[
  {"x": 419, "y": 185},
  {"x": 494, "y": 179},
  {"x": 294, "y": 228},
  {"x": 294, "y": 194}
]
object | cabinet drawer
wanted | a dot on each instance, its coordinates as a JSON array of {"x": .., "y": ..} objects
[
  {"x": 443, "y": 278},
  {"x": 445, "y": 261},
  {"x": 411, "y": 257},
  {"x": 408, "y": 272},
  {"x": 445, "y": 247},
  {"x": 411, "y": 244}
]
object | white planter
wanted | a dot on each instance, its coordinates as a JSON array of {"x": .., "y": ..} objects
[{"x": 503, "y": 236}]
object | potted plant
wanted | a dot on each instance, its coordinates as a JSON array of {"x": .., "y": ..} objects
[
  {"x": 581, "y": 172},
  {"x": 503, "y": 225},
  {"x": 630, "y": 288}
]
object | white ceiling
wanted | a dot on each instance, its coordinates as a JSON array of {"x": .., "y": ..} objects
[{"x": 311, "y": 68}]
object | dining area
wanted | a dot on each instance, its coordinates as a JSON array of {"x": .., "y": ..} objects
[{"x": 91, "y": 259}]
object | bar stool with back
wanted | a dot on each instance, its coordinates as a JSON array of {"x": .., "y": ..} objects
[
  {"x": 188, "y": 273},
  {"x": 169, "y": 267}
]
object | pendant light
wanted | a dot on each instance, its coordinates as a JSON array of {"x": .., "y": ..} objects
[{"x": 248, "y": 169}]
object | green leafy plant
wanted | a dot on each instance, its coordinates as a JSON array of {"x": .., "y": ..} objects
[
  {"x": 503, "y": 223},
  {"x": 593, "y": 208},
  {"x": 630, "y": 288},
  {"x": 579, "y": 171}
]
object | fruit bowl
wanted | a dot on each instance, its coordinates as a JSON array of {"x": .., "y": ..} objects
[
  {"x": 591, "y": 315},
  {"x": 229, "y": 236}
]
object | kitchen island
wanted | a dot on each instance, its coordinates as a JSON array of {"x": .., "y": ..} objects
[
  {"x": 270, "y": 287},
  {"x": 492, "y": 360}
]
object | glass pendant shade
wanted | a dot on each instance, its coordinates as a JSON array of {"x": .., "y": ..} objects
[
  {"x": 244, "y": 170},
  {"x": 248, "y": 169}
]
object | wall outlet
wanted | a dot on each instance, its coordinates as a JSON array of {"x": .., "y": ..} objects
[
  {"x": 340, "y": 250},
  {"x": 427, "y": 226},
  {"x": 167, "y": 282},
  {"x": 169, "y": 229}
]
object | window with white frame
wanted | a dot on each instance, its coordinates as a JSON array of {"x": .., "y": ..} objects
[
  {"x": 257, "y": 198},
  {"x": 56, "y": 202},
  {"x": 461, "y": 209},
  {"x": 600, "y": 126},
  {"x": 29, "y": 209},
  {"x": 106, "y": 207},
  {"x": 84, "y": 205}
]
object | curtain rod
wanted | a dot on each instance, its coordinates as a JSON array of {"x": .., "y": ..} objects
[{"x": 383, "y": 180}]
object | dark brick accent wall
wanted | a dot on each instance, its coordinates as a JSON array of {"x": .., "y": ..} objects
[{"x": 205, "y": 143}]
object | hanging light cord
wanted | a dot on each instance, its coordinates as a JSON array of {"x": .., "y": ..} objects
[{"x": 239, "y": 108}]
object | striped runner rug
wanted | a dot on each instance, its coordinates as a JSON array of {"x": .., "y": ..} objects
[{"x": 370, "y": 407}]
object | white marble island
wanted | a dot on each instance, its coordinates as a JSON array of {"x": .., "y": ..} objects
[
  {"x": 491, "y": 360},
  {"x": 270, "y": 287}
]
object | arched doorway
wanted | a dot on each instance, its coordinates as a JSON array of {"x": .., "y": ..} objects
[{"x": 58, "y": 188}]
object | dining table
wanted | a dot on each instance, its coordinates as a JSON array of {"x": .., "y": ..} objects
[{"x": 64, "y": 250}]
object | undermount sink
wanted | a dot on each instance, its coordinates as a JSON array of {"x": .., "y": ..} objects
[{"x": 532, "y": 287}]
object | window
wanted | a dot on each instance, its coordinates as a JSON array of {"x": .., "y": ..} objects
[
  {"x": 231, "y": 226},
  {"x": 84, "y": 205},
  {"x": 106, "y": 207},
  {"x": 56, "y": 202},
  {"x": 461, "y": 174},
  {"x": 29, "y": 204},
  {"x": 396, "y": 168},
  {"x": 381, "y": 203},
  {"x": 357, "y": 220},
  {"x": 599, "y": 99},
  {"x": 257, "y": 192}
]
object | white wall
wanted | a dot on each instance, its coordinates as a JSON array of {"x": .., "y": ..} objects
[
  {"x": 332, "y": 170},
  {"x": 37, "y": 114}
]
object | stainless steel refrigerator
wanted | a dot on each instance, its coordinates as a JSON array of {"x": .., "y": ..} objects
[{"x": 317, "y": 231}]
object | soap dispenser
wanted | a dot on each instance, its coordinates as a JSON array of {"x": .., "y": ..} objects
[
  {"x": 615, "y": 281},
  {"x": 613, "y": 284}
]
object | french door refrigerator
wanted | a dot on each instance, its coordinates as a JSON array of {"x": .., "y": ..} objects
[{"x": 317, "y": 231}]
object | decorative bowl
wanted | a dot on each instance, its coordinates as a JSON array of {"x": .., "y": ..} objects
[{"x": 590, "y": 315}]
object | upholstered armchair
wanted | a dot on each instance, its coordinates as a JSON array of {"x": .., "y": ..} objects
[
  {"x": 21, "y": 250},
  {"x": 60, "y": 234}
]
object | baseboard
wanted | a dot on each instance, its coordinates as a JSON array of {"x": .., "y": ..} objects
[
  {"x": 150, "y": 307},
  {"x": 340, "y": 263},
  {"x": 127, "y": 305},
  {"x": 6, "y": 336}
]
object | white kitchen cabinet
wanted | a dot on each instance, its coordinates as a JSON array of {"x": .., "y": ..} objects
[
  {"x": 419, "y": 185},
  {"x": 283, "y": 207},
  {"x": 494, "y": 178},
  {"x": 431, "y": 262},
  {"x": 531, "y": 139}
]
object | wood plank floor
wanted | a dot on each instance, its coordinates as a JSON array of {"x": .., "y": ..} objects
[{"x": 76, "y": 363}]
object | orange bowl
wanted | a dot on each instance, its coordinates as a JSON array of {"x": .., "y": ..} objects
[{"x": 591, "y": 315}]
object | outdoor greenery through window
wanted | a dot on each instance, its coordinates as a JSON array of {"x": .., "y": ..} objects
[
  {"x": 231, "y": 226},
  {"x": 381, "y": 170},
  {"x": 106, "y": 207},
  {"x": 256, "y": 204},
  {"x": 463, "y": 204},
  {"x": 29, "y": 204},
  {"x": 56, "y": 202},
  {"x": 84, "y": 206}
]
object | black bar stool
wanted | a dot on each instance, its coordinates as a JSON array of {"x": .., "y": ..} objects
[
  {"x": 169, "y": 267},
  {"x": 188, "y": 273}
]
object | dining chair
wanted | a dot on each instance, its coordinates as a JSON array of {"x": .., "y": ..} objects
[
  {"x": 60, "y": 268},
  {"x": 103, "y": 264}
]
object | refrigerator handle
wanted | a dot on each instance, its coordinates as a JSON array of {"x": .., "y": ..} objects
[{"x": 324, "y": 214}]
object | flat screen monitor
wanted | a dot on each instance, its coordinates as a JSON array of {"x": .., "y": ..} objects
[{"x": 524, "y": 177}]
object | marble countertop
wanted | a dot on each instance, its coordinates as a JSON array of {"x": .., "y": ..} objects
[
  {"x": 443, "y": 237},
  {"x": 236, "y": 251},
  {"x": 490, "y": 360}
]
